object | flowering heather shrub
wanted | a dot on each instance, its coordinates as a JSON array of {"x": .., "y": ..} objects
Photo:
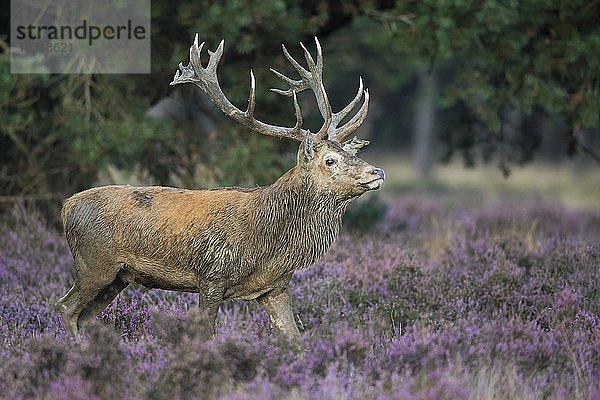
[{"x": 439, "y": 301}]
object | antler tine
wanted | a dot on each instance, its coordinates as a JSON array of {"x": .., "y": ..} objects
[
  {"x": 315, "y": 81},
  {"x": 315, "y": 68},
  {"x": 252, "y": 96},
  {"x": 319, "y": 55},
  {"x": 301, "y": 70},
  {"x": 207, "y": 80},
  {"x": 311, "y": 78},
  {"x": 312, "y": 66},
  {"x": 299, "y": 121},
  {"x": 342, "y": 133},
  {"x": 195, "y": 52},
  {"x": 294, "y": 84},
  {"x": 213, "y": 62}
]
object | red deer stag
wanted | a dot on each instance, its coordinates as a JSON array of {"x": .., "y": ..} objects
[{"x": 225, "y": 243}]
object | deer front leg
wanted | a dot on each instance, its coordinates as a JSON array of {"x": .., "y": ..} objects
[
  {"x": 278, "y": 306},
  {"x": 210, "y": 298}
]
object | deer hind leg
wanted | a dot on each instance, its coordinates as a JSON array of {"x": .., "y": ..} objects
[
  {"x": 67, "y": 305},
  {"x": 93, "y": 286},
  {"x": 100, "y": 301},
  {"x": 75, "y": 301}
]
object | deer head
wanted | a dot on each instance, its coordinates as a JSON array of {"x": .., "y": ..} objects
[{"x": 326, "y": 159}]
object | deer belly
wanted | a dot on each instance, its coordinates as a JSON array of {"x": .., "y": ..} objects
[
  {"x": 244, "y": 292},
  {"x": 155, "y": 274},
  {"x": 258, "y": 283}
]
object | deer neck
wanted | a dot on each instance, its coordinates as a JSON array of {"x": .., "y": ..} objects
[{"x": 301, "y": 215}]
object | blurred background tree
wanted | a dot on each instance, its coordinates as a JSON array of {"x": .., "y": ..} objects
[
  {"x": 492, "y": 80},
  {"x": 508, "y": 63}
]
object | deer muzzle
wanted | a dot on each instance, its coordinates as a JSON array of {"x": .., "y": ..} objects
[{"x": 377, "y": 176}]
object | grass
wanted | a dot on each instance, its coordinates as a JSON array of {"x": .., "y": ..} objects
[{"x": 562, "y": 183}]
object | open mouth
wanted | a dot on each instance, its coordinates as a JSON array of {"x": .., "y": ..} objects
[{"x": 374, "y": 184}]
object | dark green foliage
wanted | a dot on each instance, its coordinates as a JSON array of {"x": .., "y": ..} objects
[
  {"x": 60, "y": 132},
  {"x": 510, "y": 60}
]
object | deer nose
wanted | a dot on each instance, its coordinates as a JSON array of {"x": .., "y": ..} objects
[{"x": 378, "y": 171}]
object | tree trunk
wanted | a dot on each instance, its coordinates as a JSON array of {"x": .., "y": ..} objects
[{"x": 423, "y": 142}]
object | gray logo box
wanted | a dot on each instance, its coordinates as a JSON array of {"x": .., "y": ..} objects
[{"x": 80, "y": 36}]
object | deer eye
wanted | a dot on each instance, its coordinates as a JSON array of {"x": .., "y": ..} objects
[{"x": 329, "y": 162}]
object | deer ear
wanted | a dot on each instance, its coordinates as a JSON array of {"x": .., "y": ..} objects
[
  {"x": 307, "y": 148},
  {"x": 354, "y": 145}
]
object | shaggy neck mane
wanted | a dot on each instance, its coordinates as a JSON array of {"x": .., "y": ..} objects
[
  {"x": 299, "y": 217},
  {"x": 293, "y": 187}
]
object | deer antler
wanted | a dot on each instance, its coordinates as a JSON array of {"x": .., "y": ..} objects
[
  {"x": 206, "y": 79},
  {"x": 313, "y": 79}
]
